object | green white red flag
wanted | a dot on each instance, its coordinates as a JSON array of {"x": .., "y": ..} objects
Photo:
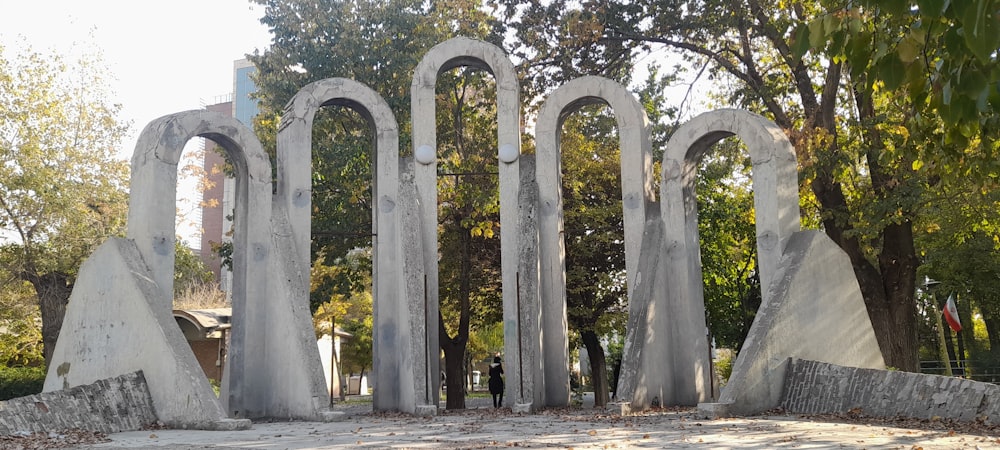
[{"x": 951, "y": 314}]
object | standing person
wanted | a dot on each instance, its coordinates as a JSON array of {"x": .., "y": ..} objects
[{"x": 496, "y": 381}]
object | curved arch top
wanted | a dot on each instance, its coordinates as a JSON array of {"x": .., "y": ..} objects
[
  {"x": 294, "y": 189},
  {"x": 774, "y": 173},
  {"x": 637, "y": 194},
  {"x": 633, "y": 131},
  {"x": 153, "y": 190},
  {"x": 636, "y": 155},
  {"x": 458, "y": 52}
]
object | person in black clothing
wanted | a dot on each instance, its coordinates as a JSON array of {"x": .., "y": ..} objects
[{"x": 496, "y": 382}]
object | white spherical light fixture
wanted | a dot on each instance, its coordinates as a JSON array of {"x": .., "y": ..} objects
[
  {"x": 508, "y": 153},
  {"x": 424, "y": 154}
]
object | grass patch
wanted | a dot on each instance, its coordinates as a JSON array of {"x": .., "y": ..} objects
[{"x": 20, "y": 381}]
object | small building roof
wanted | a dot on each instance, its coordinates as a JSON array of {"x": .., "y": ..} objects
[{"x": 206, "y": 320}]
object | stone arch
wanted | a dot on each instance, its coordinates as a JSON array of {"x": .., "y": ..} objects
[
  {"x": 775, "y": 188},
  {"x": 458, "y": 52},
  {"x": 399, "y": 373},
  {"x": 637, "y": 195},
  {"x": 153, "y": 194},
  {"x": 122, "y": 301},
  {"x": 259, "y": 380}
]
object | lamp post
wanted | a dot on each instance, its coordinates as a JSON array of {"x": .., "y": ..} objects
[{"x": 929, "y": 286}]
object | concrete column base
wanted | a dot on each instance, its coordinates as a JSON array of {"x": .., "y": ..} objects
[
  {"x": 426, "y": 410},
  {"x": 623, "y": 408},
  {"x": 328, "y": 415},
  {"x": 714, "y": 410},
  {"x": 218, "y": 425},
  {"x": 523, "y": 408}
]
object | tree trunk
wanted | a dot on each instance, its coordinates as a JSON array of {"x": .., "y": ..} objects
[
  {"x": 993, "y": 332},
  {"x": 897, "y": 336},
  {"x": 598, "y": 367},
  {"x": 53, "y": 290},
  {"x": 454, "y": 350},
  {"x": 888, "y": 289}
]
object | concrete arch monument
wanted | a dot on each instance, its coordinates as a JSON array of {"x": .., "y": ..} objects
[
  {"x": 119, "y": 319},
  {"x": 458, "y": 52},
  {"x": 400, "y": 366},
  {"x": 810, "y": 296},
  {"x": 775, "y": 187},
  {"x": 638, "y": 195}
]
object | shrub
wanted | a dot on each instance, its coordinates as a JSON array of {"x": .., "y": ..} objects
[
  {"x": 724, "y": 365},
  {"x": 21, "y": 381}
]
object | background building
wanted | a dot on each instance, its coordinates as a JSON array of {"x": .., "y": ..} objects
[{"x": 217, "y": 199}]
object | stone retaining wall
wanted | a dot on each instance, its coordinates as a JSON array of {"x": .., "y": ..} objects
[
  {"x": 112, "y": 405},
  {"x": 819, "y": 388}
]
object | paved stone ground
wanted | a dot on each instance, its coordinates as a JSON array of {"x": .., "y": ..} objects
[{"x": 583, "y": 427}]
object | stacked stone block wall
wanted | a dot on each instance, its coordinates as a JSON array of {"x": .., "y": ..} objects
[
  {"x": 112, "y": 405},
  {"x": 819, "y": 388}
]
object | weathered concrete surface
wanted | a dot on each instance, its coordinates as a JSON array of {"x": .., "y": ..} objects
[
  {"x": 416, "y": 361},
  {"x": 300, "y": 369},
  {"x": 450, "y": 54},
  {"x": 813, "y": 387},
  {"x": 114, "y": 325},
  {"x": 775, "y": 188},
  {"x": 646, "y": 374},
  {"x": 273, "y": 368},
  {"x": 153, "y": 192},
  {"x": 152, "y": 196},
  {"x": 637, "y": 194},
  {"x": 815, "y": 312},
  {"x": 524, "y": 385},
  {"x": 110, "y": 405}
]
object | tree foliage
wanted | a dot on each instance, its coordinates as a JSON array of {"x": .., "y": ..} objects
[
  {"x": 469, "y": 216},
  {"x": 62, "y": 188},
  {"x": 340, "y": 288},
  {"x": 866, "y": 149},
  {"x": 189, "y": 270},
  {"x": 20, "y": 335},
  {"x": 728, "y": 239}
]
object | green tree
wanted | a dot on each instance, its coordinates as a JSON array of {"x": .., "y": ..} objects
[
  {"x": 728, "y": 240},
  {"x": 62, "y": 188},
  {"x": 375, "y": 43},
  {"x": 858, "y": 138},
  {"x": 189, "y": 270},
  {"x": 20, "y": 336},
  {"x": 959, "y": 237},
  {"x": 341, "y": 289},
  {"x": 596, "y": 296},
  {"x": 469, "y": 211}
]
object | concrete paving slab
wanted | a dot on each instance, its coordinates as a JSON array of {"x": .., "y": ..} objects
[{"x": 578, "y": 428}]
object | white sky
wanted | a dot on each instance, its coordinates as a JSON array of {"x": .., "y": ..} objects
[{"x": 165, "y": 57}]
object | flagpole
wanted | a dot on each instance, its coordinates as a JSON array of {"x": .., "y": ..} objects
[{"x": 942, "y": 347}]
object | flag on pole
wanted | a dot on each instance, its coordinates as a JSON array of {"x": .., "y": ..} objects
[{"x": 951, "y": 314}]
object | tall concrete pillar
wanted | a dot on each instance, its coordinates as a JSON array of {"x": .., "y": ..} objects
[
  {"x": 637, "y": 194},
  {"x": 399, "y": 374},
  {"x": 453, "y": 53}
]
